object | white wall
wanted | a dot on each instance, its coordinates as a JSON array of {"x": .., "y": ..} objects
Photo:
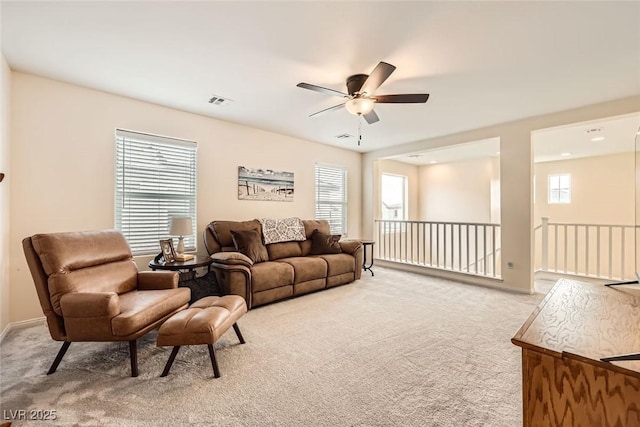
[
  {"x": 602, "y": 190},
  {"x": 516, "y": 171},
  {"x": 495, "y": 190},
  {"x": 456, "y": 191},
  {"x": 5, "y": 97},
  {"x": 62, "y": 158},
  {"x": 394, "y": 167}
]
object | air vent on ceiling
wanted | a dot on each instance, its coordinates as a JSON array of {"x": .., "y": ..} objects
[
  {"x": 344, "y": 136},
  {"x": 415, "y": 156},
  {"x": 594, "y": 130},
  {"x": 220, "y": 101}
]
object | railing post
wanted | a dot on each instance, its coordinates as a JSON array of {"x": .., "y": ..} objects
[{"x": 545, "y": 243}]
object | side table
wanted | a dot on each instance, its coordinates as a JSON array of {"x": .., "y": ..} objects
[
  {"x": 200, "y": 287},
  {"x": 365, "y": 245},
  {"x": 199, "y": 261}
]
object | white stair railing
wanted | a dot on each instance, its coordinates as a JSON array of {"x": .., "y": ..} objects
[
  {"x": 472, "y": 248},
  {"x": 605, "y": 251}
]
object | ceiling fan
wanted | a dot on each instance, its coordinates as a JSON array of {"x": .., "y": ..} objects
[{"x": 360, "y": 99}]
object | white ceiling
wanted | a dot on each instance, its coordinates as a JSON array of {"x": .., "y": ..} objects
[
  {"x": 482, "y": 62},
  {"x": 615, "y": 135},
  {"x": 560, "y": 143}
]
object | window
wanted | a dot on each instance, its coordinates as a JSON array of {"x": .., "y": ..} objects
[
  {"x": 560, "y": 188},
  {"x": 155, "y": 180},
  {"x": 331, "y": 197},
  {"x": 394, "y": 196}
]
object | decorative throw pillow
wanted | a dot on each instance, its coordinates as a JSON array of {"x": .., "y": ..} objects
[
  {"x": 322, "y": 243},
  {"x": 282, "y": 230},
  {"x": 249, "y": 243}
]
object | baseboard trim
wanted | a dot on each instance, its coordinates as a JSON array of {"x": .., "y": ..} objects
[
  {"x": 548, "y": 275},
  {"x": 471, "y": 279},
  {"x": 20, "y": 325}
]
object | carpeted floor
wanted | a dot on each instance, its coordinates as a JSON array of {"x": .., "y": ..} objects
[{"x": 397, "y": 349}]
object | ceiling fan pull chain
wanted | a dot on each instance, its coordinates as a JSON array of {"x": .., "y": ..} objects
[{"x": 359, "y": 129}]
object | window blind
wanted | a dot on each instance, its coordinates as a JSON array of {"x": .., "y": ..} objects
[
  {"x": 331, "y": 197},
  {"x": 155, "y": 180}
]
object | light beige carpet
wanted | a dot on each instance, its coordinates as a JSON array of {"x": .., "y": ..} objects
[{"x": 397, "y": 349}]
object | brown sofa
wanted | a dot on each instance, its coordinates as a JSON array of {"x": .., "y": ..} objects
[
  {"x": 291, "y": 269},
  {"x": 90, "y": 289}
]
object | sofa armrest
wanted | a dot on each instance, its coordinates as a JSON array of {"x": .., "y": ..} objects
[
  {"x": 90, "y": 304},
  {"x": 350, "y": 246},
  {"x": 156, "y": 280},
  {"x": 355, "y": 249},
  {"x": 233, "y": 279},
  {"x": 231, "y": 258}
]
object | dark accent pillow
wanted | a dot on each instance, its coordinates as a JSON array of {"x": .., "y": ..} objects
[
  {"x": 249, "y": 243},
  {"x": 322, "y": 243}
]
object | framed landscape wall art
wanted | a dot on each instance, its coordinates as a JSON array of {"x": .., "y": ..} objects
[{"x": 264, "y": 184}]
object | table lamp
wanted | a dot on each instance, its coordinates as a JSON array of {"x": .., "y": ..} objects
[{"x": 180, "y": 226}]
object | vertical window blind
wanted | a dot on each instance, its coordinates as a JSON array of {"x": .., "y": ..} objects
[
  {"x": 155, "y": 180},
  {"x": 331, "y": 197}
]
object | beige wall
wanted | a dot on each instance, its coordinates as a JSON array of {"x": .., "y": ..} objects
[
  {"x": 495, "y": 190},
  {"x": 456, "y": 191},
  {"x": 5, "y": 97},
  {"x": 411, "y": 172},
  {"x": 62, "y": 156},
  {"x": 516, "y": 171},
  {"x": 602, "y": 190}
]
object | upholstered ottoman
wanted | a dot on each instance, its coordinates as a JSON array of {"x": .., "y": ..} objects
[{"x": 204, "y": 322}]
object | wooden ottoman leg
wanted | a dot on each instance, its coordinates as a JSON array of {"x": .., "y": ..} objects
[
  {"x": 238, "y": 333},
  {"x": 214, "y": 362},
  {"x": 167, "y": 367}
]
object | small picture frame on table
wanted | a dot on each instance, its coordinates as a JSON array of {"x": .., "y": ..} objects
[{"x": 168, "y": 253}]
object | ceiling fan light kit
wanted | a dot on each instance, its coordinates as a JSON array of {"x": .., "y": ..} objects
[
  {"x": 360, "y": 100},
  {"x": 359, "y": 106}
]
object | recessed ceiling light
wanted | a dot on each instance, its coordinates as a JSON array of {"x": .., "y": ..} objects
[
  {"x": 598, "y": 138},
  {"x": 565, "y": 154},
  {"x": 433, "y": 162}
]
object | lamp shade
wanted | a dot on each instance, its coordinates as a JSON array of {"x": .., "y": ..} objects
[
  {"x": 359, "y": 106},
  {"x": 180, "y": 226}
]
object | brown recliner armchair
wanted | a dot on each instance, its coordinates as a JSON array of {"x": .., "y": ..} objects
[{"x": 90, "y": 290}]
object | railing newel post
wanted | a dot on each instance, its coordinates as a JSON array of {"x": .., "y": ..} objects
[{"x": 545, "y": 243}]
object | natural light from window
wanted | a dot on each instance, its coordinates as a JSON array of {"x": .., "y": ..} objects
[
  {"x": 331, "y": 197},
  {"x": 155, "y": 181},
  {"x": 560, "y": 188},
  {"x": 394, "y": 197}
]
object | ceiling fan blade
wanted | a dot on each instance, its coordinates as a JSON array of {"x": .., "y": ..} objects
[
  {"x": 377, "y": 77},
  {"x": 321, "y": 89},
  {"x": 409, "y": 98},
  {"x": 335, "y": 107},
  {"x": 371, "y": 117}
]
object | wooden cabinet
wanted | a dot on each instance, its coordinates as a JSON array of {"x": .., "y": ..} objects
[{"x": 564, "y": 383}]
